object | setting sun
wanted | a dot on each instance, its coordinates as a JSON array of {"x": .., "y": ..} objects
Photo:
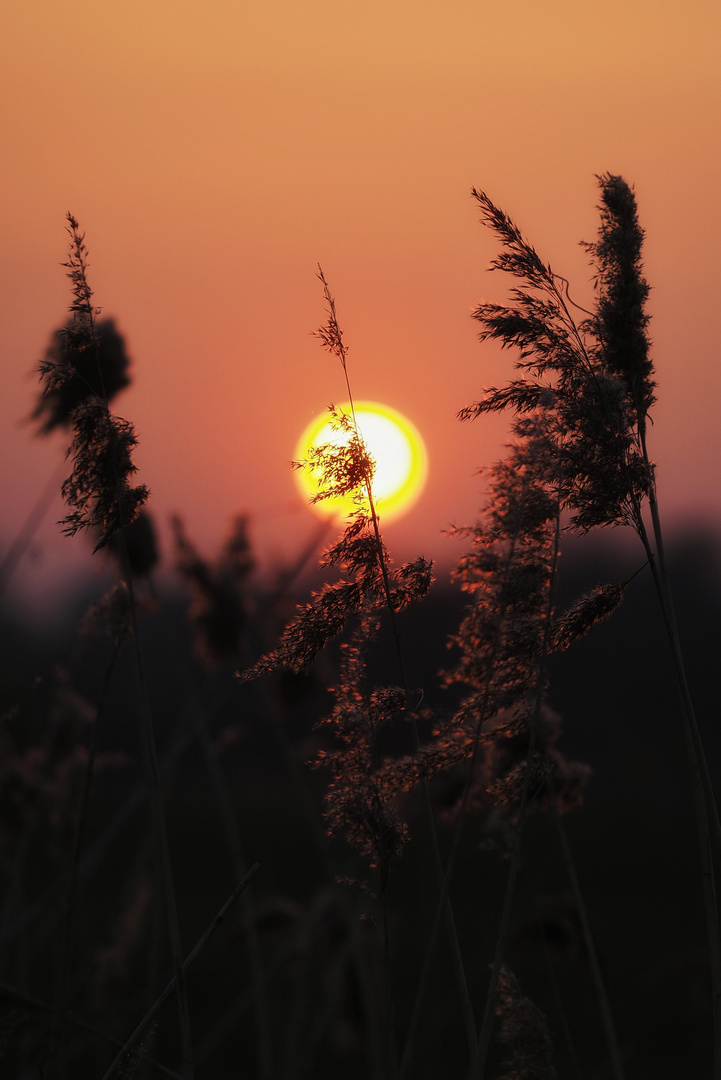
[{"x": 396, "y": 447}]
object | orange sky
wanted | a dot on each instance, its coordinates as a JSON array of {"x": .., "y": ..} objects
[{"x": 215, "y": 152}]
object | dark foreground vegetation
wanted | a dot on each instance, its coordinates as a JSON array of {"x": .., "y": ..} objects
[{"x": 361, "y": 825}]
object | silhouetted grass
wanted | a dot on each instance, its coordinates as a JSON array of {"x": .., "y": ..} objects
[{"x": 345, "y": 862}]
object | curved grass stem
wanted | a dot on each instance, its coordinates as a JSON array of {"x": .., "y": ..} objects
[
  {"x": 705, "y": 805},
  {"x": 192, "y": 955}
]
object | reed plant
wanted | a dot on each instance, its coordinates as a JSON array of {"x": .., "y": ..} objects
[{"x": 374, "y": 823}]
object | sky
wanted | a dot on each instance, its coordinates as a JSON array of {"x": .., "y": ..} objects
[{"x": 215, "y": 153}]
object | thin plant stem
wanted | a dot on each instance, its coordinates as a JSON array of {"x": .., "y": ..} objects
[
  {"x": 281, "y": 739},
  {"x": 619, "y": 274},
  {"x": 100, "y": 848},
  {"x": 192, "y": 955},
  {"x": 298, "y": 1020},
  {"x": 560, "y": 1005},
  {"x": 74, "y": 875},
  {"x": 227, "y": 1023},
  {"x": 374, "y": 1041},
  {"x": 334, "y": 341},
  {"x": 484, "y": 1040},
  {"x": 83, "y": 308},
  {"x": 30, "y": 526},
  {"x": 453, "y": 854},
  {"x": 705, "y": 804},
  {"x": 707, "y": 819},
  {"x": 34, "y": 1004},
  {"x": 604, "y": 1005},
  {"x": 390, "y": 1010},
  {"x": 240, "y": 866},
  {"x": 663, "y": 588},
  {"x": 444, "y": 901},
  {"x": 166, "y": 865}
]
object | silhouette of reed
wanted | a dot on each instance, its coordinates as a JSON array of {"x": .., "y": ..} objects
[
  {"x": 319, "y": 847},
  {"x": 591, "y": 382}
]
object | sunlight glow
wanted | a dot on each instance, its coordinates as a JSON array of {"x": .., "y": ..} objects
[{"x": 394, "y": 443}]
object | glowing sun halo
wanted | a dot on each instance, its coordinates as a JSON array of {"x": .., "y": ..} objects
[{"x": 396, "y": 447}]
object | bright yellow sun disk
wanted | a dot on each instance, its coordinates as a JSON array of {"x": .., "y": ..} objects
[{"x": 396, "y": 447}]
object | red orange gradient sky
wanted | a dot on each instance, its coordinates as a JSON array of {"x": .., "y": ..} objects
[{"x": 215, "y": 152}]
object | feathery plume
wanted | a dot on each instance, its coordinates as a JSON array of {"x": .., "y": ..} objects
[{"x": 98, "y": 491}]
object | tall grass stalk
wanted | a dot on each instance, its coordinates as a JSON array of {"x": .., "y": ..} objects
[
  {"x": 35, "y": 1005},
  {"x": 332, "y": 338},
  {"x": 609, "y": 1026},
  {"x": 101, "y": 498},
  {"x": 360, "y": 801},
  {"x": 74, "y": 873},
  {"x": 596, "y": 377},
  {"x": 450, "y": 865},
  {"x": 191, "y": 957},
  {"x": 484, "y": 1039},
  {"x": 239, "y": 864}
]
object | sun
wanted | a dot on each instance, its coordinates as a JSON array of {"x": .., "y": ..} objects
[{"x": 396, "y": 447}]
